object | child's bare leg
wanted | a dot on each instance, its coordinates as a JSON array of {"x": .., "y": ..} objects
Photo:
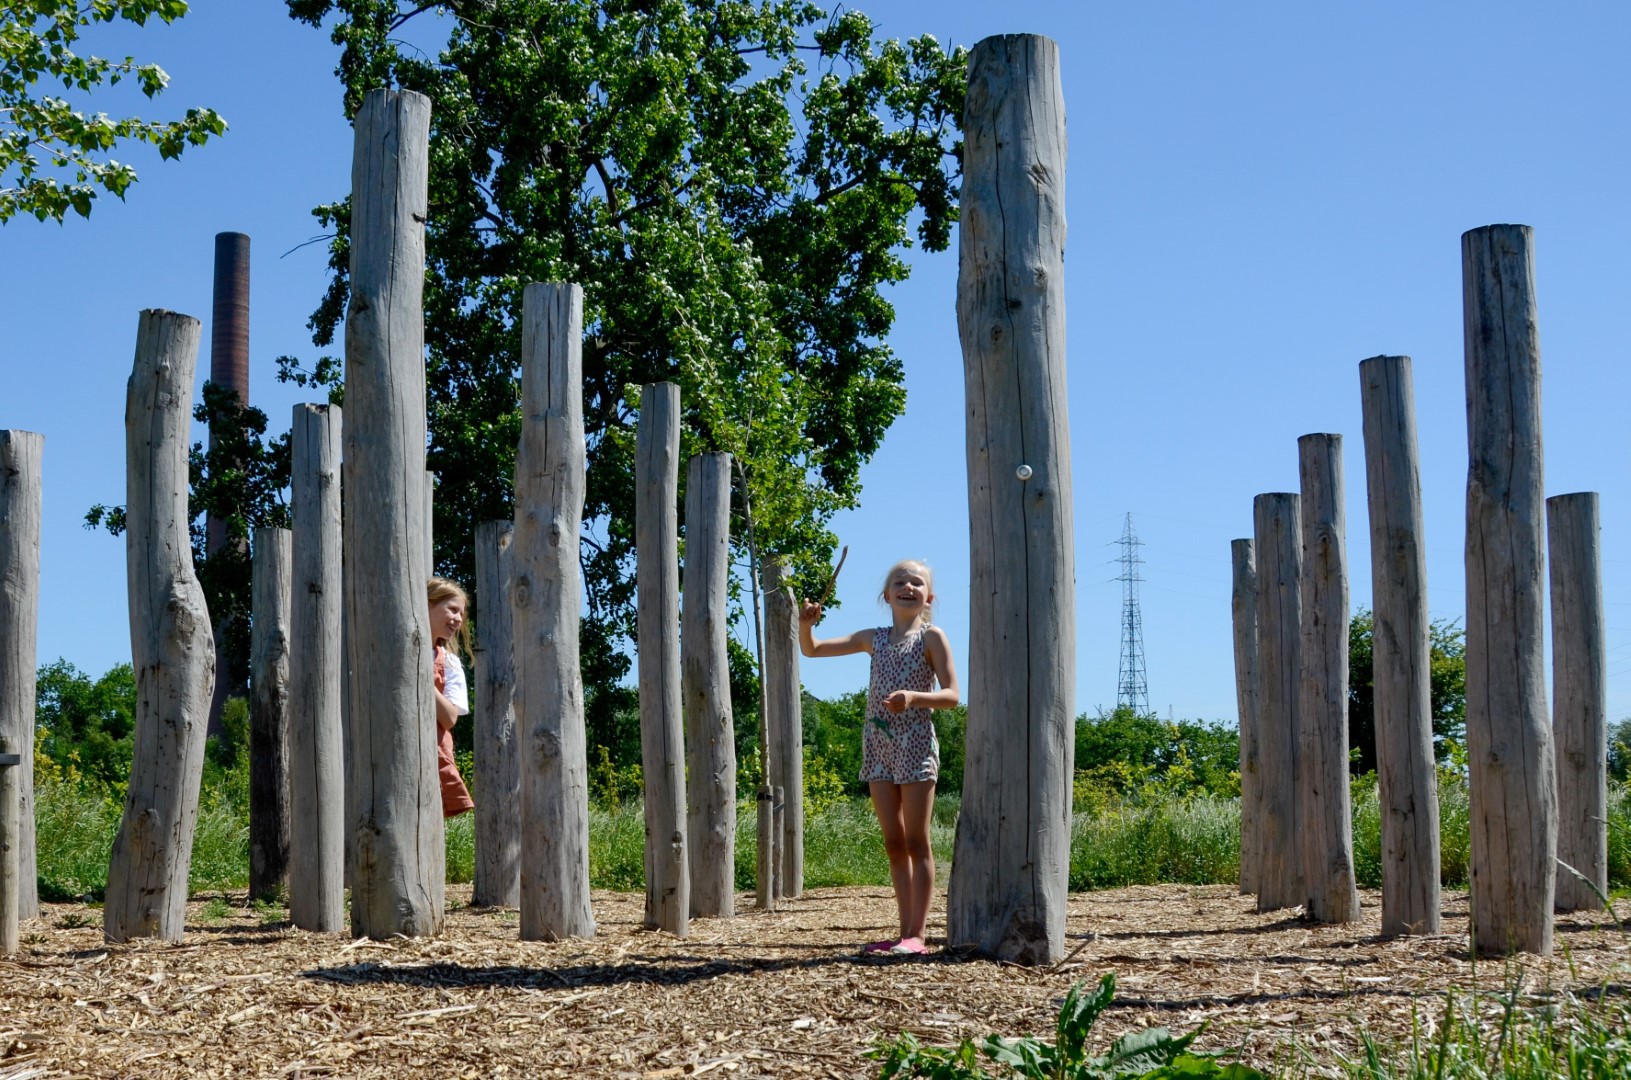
[
  {"x": 886, "y": 802},
  {"x": 917, "y": 810}
]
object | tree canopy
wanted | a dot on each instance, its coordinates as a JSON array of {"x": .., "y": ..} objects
[
  {"x": 54, "y": 157},
  {"x": 1447, "y": 647}
]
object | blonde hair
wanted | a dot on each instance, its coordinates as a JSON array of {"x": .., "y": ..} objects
[
  {"x": 927, "y": 615},
  {"x": 439, "y": 589}
]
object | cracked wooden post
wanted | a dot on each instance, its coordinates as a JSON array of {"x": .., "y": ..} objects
[
  {"x": 784, "y": 713},
  {"x": 269, "y": 815},
  {"x": 1011, "y": 871},
  {"x": 662, "y": 740},
  {"x": 546, "y": 597},
  {"x": 317, "y": 852},
  {"x": 10, "y": 878},
  {"x": 498, "y": 761},
  {"x": 1277, "y": 533},
  {"x": 1324, "y": 815},
  {"x": 705, "y": 686},
  {"x": 20, "y": 508},
  {"x": 1513, "y": 811},
  {"x": 171, "y": 646},
  {"x": 399, "y": 877},
  {"x": 1579, "y": 699},
  {"x": 1243, "y": 608},
  {"x": 1406, "y": 772}
]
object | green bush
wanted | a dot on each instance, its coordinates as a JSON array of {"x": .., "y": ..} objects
[{"x": 1192, "y": 841}]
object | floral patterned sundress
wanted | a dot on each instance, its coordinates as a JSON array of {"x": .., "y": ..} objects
[{"x": 899, "y": 748}]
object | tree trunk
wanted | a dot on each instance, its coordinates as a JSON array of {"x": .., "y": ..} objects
[
  {"x": 20, "y": 503},
  {"x": 1243, "y": 606},
  {"x": 1011, "y": 871},
  {"x": 1509, "y": 738},
  {"x": 171, "y": 646},
  {"x": 317, "y": 745},
  {"x": 1322, "y": 708},
  {"x": 764, "y": 882},
  {"x": 498, "y": 766},
  {"x": 1407, "y": 775},
  {"x": 662, "y": 741},
  {"x": 785, "y": 719},
  {"x": 1579, "y": 700},
  {"x": 778, "y": 832},
  {"x": 546, "y": 596},
  {"x": 10, "y": 827},
  {"x": 269, "y": 713},
  {"x": 400, "y": 860},
  {"x": 1277, "y": 529},
  {"x": 710, "y": 734}
]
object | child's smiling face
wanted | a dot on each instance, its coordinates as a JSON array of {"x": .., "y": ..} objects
[
  {"x": 446, "y": 617},
  {"x": 909, "y": 589}
]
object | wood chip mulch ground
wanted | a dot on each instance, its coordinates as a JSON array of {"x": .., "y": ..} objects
[{"x": 781, "y": 994}]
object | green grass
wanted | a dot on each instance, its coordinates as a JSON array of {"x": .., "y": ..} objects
[{"x": 1190, "y": 841}]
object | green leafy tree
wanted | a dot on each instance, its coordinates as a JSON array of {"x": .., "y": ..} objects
[
  {"x": 85, "y": 722},
  {"x": 1447, "y": 647},
  {"x": 1136, "y": 747},
  {"x": 731, "y": 182},
  {"x": 53, "y": 156}
]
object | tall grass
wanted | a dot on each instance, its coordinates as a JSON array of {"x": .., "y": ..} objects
[{"x": 1191, "y": 841}]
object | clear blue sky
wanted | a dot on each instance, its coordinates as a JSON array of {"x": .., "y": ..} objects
[{"x": 1260, "y": 196}]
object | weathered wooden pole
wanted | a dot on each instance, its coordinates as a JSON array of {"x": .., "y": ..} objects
[
  {"x": 705, "y": 687},
  {"x": 764, "y": 881},
  {"x": 498, "y": 761},
  {"x": 1009, "y": 877},
  {"x": 1277, "y": 542},
  {"x": 546, "y": 597},
  {"x": 1324, "y": 814},
  {"x": 1243, "y": 608},
  {"x": 1407, "y": 775},
  {"x": 10, "y": 826},
  {"x": 316, "y": 669},
  {"x": 662, "y": 739},
  {"x": 778, "y": 840},
  {"x": 171, "y": 645},
  {"x": 784, "y": 713},
  {"x": 269, "y": 712},
  {"x": 1512, "y": 773},
  {"x": 398, "y": 880},
  {"x": 1579, "y": 699},
  {"x": 20, "y": 508}
]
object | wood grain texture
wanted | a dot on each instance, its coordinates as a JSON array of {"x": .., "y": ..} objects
[
  {"x": 316, "y": 672},
  {"x": 784, "y": 716},
  {"x": 21, "y": 455},
  {"x": 764, "y": 879},
  {"x": 399, "y": 872},
  {"x": 546, "y": 594},
  {"x": 497, "y": 753},
  {"x": 1512, "y": 773},
  {"x": 171, "y": 645},
  {"x": 10, "y": 827},
  {"x": 1407, "y": 774},
  {"x": 270, "y": 577},
  {"x": 1579, "y": 699},
  {"x": 1277, "y": 541},
  {"x": 1324, "y": 814},
  {"x": 1243, "y": 610}
]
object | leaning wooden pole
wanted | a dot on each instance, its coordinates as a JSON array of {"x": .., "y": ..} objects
[
  {"x": 317, "y": 744},
  {"x": 1579, "y": 700},
  {"x": 1407, "y": 774},
  {"x": 498, "y": 760},
  {"x": 662, "y": 740},
  {"x": 171, "y": 645},
  {"x": 784, "y": 713},
  {"x": 1277, "y": 541},
  {"x": 1324, "y": 812},
  {"x": 705, "y": 687},
  {"x": 546, "y": 594},
  {"x": 1011, "y": 870},
  {"x": 269, "y": 713},
  {"x": 1243, "y": 608},
  {"x": 1512, "y": 775},
  {"x": 20, "y": 507},
  {"x": 398, "y": 880}
]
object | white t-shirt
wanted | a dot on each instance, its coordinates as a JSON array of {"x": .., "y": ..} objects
[{"x": 453, "y": 684}]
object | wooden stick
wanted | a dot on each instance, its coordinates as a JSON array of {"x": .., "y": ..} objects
[{"x": 832, "y": 578}]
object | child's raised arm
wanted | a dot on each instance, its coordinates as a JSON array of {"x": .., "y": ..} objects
[{"x": 809, "y": 615}]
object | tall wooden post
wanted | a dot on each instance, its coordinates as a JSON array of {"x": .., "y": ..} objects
[
  {"x": 1407, "y": 775},
  {"x": 399, "y": 875},
  {"x": 171, "y": 646},
  {"x": 1277, "y": 541},
  {"x": 784, "y": 712},
  {"x": 662, "y": 740},
  {"x": 1243, "y": 608},
  {"x": 498, "y": 762},
  {"x": 20, "y": 503},
  {"x": 1509, "y": 738},
  {"x": 317, "y": 745},
  {"x": 1010, "y": 874},
  {"x": 546, "y": 597},
  {"x": 1324, "y": 814},
  {"x": 705, "y": 686},
  {"x": 1579, "y": 699},
  {"x": 10, "y": 884},
  {"x": 269, "y": 713}
]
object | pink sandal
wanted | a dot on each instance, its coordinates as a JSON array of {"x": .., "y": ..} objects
[
  {"x": 880, "y": 947},
  {"x": 910, "y": 947}
]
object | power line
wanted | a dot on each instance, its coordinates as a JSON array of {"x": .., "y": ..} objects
[{"x": 1132, "y": 686}]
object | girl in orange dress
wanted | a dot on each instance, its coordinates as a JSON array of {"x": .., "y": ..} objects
[{"x": 447, "y": 626}]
